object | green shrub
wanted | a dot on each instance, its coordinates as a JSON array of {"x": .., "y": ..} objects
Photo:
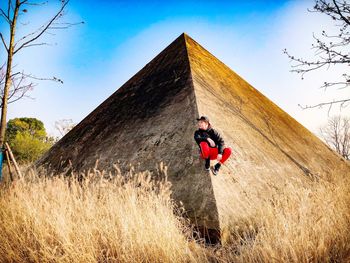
[
  {"x": 27, "y": 138},
  {"x": 28, "y": 148}
]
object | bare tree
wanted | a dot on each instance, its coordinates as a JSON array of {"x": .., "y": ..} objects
[
  {"x": 336, "y": 133},
  {"x": 331, "y": 50},
  {"x": 15, "y": 85},
  {"x": 64, "y": 126},
  {"x": 19, "y": 86}
]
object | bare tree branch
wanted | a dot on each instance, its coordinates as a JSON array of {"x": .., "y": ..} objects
[
  {"x": 336, "y": 133},
  {"x": 7, "y": 18},
  {"x": 342, "y": 103},
  {"x": 3, "y": 41},
  {"x": 36, "y": 4},
  {"x": 42, "y": 28},
  {"x": 9, "y": 5},
  {"x": 38, "y": 44},
  {"x": 58, "y": 14},
  {"x": 39, "y": 78},
  {"x": 331, "y": 50},
  {"x": 19, "y": 86},
  {"x": 340, "y": 13},
  {"x": 64, "y": 126},
  {"x": 30, "y": 34},
  {"x": 67, "y": 26}
]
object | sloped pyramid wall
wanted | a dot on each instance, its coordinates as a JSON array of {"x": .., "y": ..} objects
[
  {"x": 270, "y": 148},
  {"x": 151, "y": 119}
]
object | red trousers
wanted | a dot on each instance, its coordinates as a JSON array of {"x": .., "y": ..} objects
[{"x": 212, "y": 153}]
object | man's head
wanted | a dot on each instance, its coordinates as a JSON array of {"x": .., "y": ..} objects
[{"x": 203, "y": 122}]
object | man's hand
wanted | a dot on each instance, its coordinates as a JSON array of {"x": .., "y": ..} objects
[
  {"x": 219, "y": 157},
  {"x": 211, "y": 142}
]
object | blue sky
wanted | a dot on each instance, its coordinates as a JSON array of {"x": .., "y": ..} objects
[{"x": 119, "y": 37}]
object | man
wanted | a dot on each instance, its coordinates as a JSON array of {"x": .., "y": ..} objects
[{"x": 211, "y": 145}]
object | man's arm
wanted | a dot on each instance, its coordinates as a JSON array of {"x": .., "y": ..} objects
[
  {"x": 219, "y": 141},
  {"x": 200, "y": 138}
]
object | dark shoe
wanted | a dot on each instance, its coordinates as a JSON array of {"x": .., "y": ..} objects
[
  {"x": 207, "y": 164},
  {"x": 216, "y": 168}
]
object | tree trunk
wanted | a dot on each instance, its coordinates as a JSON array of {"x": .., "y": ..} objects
[{"x": 8, "y": 75}]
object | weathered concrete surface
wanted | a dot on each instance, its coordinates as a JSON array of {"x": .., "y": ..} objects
[
  {"x": 270, "y": 148},
  {"x": 151, "y": 119}
]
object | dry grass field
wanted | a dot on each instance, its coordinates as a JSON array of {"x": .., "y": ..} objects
[{"x": 133, "y": 219}]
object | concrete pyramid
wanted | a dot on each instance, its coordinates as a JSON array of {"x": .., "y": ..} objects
[{"x": 152, "y": 118}]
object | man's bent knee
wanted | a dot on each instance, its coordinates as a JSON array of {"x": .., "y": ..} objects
[
  {"x": 228, "y": 151},
  {"x": 226, "y": 154},
  {"x": 204, "y": 150}
]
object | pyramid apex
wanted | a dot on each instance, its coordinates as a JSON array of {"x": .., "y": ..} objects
[
  {"x": 186, "y": 36},
  {"x": 183, "y": 36},
  {"x": 181, "y": 42}
]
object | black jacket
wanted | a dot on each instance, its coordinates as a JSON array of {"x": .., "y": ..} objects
[{"x": 202, "y": 135}]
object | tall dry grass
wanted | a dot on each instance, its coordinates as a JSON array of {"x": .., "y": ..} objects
[
  {"x": 310, "y": 224},
  {"x": 133, "y": 219},
  {"x": 96, "y": 220}
]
